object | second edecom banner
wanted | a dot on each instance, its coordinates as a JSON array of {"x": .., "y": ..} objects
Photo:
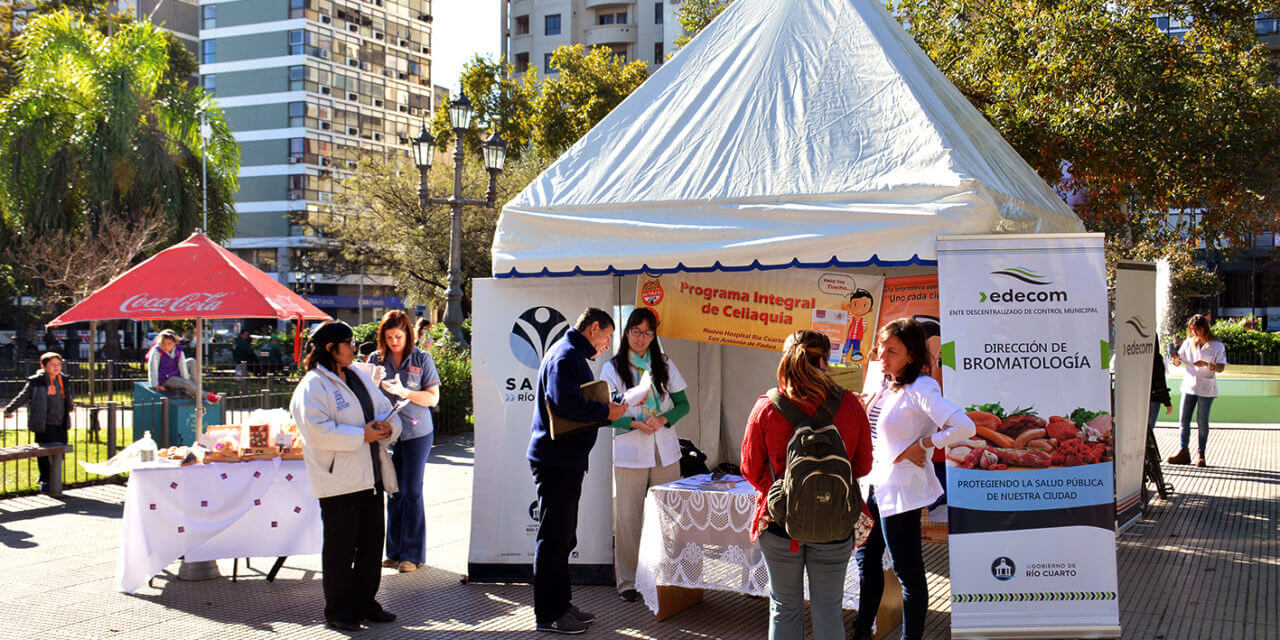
[
  {"x": 759, "y": 309},
  {"x": 1031, "y": 503}
]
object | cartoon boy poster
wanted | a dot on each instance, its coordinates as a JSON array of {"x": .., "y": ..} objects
[{"x": 860, "y": 305}]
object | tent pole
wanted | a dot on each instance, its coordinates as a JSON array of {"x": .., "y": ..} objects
[
  {"x": 199, "y": 378},
  {"x": 93, "y": 334}
]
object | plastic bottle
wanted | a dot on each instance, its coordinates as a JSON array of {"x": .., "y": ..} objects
[{"x": 147, "y": 447}]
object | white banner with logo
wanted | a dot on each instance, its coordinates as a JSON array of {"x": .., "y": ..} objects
[
  {"x": 514, "y": 323},
  {"x": 1031, "y": 503},
  {"x": 1135, "y": 354}
]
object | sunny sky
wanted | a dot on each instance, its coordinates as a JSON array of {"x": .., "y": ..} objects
[{"x": 461, "y": 29}]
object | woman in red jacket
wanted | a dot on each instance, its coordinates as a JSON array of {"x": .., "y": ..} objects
[{"x": 802, "y": 379}]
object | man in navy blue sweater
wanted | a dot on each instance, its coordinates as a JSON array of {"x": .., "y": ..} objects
[{"x": 559, "y": 465}]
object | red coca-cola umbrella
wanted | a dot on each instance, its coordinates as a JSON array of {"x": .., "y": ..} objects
[{"x": 194, "y": 279}]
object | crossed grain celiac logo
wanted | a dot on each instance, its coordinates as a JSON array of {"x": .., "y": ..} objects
[
  {"x": 535, "y": 330},
  {"x": 1138, "y": 325}
]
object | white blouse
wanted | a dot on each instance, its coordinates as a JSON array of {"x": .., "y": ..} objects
[
  {"x": 907, "y": 415},
  {"x": 635, "y": 449},
  {"x": 1201, "y": 381}
]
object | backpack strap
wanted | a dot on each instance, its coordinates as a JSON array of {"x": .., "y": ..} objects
[{"x": 825, "y": 413}]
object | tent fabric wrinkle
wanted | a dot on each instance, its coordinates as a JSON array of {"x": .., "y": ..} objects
[{"x": 786, "y": 129}]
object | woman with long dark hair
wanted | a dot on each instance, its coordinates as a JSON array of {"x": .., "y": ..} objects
[
  {"x": 906, "y": 415},
  {"x": 646, "y": 449},
  {"x": 804, "y": 383},
  {"x": 348, "y": 468},
  {"x": 407, "y": 372},
  {"x": 1203, "y": 357}
]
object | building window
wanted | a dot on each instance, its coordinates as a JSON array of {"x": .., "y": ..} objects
[
  {"x": 297, "y": 114},
  {"x": 522, "y": 25},
  {"x": 657, "y": 13},
  {"x": 297, "y": 147},
  {"x": 297, "y": 42},
  {"x": 546, "y": 63},
  {"x": 297, "y": 77},
  {"x": 522, "y": 62},
  {"x": 208, "y": 16},
  {"x": 551, "y": 24},
  {"x": 208, "y": 51},
  {"x": 209, "y": 82},
  {"x": 657, "y": 53},
  {"x": 297, "y": 8},
  {"x": 612, "y": 18}
]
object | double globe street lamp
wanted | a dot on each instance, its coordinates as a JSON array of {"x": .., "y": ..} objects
[{"x": 495, "y": 155}]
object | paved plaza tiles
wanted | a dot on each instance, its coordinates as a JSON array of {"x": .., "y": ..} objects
[{"x": 1202, "y": 565}]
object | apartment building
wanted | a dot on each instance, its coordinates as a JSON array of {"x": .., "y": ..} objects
[
  {"x": 306, "y": 86},
  {"x": 634, "y": 29}
]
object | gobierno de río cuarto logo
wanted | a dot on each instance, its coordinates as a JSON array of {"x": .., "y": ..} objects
[
  {"x": 535, "y": 330},
  {"x": 1025, "y": 276}
]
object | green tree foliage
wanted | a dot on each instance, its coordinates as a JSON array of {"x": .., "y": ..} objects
[
  {"x": 695, "y": 15},
  {"x": 543, "y": 117},
  {"x": 98, "y": 131},
  {"x": 377, "y": 225},
  {"x": 1148, "y": 124}
]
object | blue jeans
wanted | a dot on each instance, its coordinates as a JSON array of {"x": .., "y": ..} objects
[
  {"x": 826, "y": 565},
  {"x": 1201, "y": 406},
  {"x": 406, "y": 517},
  {"x": 901, "y": 534}
]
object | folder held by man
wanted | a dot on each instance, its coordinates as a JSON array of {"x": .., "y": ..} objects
[{"x": 594, "y": 391}]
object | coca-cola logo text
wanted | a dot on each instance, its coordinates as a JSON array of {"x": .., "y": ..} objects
[{"x": 189, "y": 302}]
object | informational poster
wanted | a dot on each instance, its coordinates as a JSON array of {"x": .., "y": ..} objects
[
  {"x": 1136, "y": 352},
  {"x": 515, "y": 323},
  {"x": 759, "y": 309},
  {"x": 915, "y": 297},
  {"x": 1031, "y": 499}
]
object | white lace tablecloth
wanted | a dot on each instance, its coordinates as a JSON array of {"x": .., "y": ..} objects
[
  {"x": 211, "y": 511},
  {"x": 702, "y": 540}
]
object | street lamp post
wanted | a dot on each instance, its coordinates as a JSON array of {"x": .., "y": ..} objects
[{"x": 495, "y": 153}]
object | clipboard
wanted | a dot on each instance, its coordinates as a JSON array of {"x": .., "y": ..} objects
[
  {"x": 594, "y": 391},
  {"x": 395, "y": 410}
]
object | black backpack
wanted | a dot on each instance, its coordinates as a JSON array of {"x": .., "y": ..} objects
[{"x": 816, "y": 499}]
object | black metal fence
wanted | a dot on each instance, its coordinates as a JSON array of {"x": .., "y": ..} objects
[{"x": 104, "y": 423}]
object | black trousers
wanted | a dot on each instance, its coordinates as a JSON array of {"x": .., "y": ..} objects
[
  {"x": 50, "y": 435},
  {"x": 351, "y": 557},
  {"x": 558, "y": 494}
]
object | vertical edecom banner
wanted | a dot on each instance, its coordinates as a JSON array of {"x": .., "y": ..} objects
[
  {"x": 1135, "y": 348},
  {"x": 515, "y": 321},
  {"x": 1032, "y": 505}
]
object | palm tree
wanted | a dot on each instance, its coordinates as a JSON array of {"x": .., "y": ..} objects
[{"x": 98, "y": 132}]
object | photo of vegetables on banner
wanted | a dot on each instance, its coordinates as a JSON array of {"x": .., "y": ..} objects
[{"x": 1031, "y": 499}]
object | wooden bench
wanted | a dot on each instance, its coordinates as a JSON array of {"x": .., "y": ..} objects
[{"x": 55, "y": 452}]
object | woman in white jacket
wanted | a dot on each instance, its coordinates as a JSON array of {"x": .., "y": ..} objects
[
  {"x": 905, "y": 417},
  {"x": 345, "y": 448}
]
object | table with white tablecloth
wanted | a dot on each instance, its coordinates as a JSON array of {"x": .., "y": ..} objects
[
  {"x": 697, "y": 539},
  {"x": 212, "y": 511}
]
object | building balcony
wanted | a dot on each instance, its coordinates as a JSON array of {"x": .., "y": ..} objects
[
  {"x": 604, "y": 4},
  {"x": 610, "y": 34}
]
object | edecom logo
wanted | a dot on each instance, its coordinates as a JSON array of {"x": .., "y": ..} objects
[
  {"x": 535, "y": 330},
  {"x": 1029, "y": 277}
]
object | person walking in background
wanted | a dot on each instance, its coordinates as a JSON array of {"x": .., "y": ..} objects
[
  {"x": 47, "y": 397},
  {"x": 905, "y": 417},
  {"x": 804, "y": 382},
  {"x": 559, "y": 465},
  {"x": 422, "y": 329},
  {"x": 345, "y": 448},
  {"x": 242, "y": 352},
  {"x": 407, "y": 372},
  {"x": 1203, "y": 357},
  {"x": 646, "y": 449},
  {"x": 169, "y": 368}
]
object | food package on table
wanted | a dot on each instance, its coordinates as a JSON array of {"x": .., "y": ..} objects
[
  {"x": 222, "y": 442},
  {"x": 290, "y": 453},
  {"x": 259, "y": 453},
  {"x": 259, "y": 435},
  {"x": 276, "y": 421}
]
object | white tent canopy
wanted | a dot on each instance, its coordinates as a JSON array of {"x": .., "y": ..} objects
[{"x": 789, "y": 132}]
